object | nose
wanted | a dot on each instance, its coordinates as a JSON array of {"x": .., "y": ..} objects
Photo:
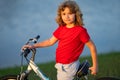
[{"x": 66, "y": 16}]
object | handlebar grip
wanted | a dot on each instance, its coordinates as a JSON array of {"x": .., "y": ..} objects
[{"x": 37, "y": 37}]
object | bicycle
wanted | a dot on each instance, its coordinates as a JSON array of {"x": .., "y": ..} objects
[{"x": 82, "y": 71}]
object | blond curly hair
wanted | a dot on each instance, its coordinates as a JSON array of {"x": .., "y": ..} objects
[{"x": 74, "y": 8}]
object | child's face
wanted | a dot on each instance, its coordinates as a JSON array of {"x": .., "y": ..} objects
[{"x": 68, "y": 17}]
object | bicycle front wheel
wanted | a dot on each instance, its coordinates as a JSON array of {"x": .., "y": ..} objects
[{"x": 9, "y": 77}]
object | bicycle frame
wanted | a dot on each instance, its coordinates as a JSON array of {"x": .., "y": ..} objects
[{"x": 35, "y": 68}]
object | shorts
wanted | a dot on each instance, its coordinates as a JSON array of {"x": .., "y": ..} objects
[{"x": 67, "y": 71}]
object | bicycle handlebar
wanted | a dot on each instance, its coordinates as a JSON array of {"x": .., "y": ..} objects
[{"x": 32, "y": 40}]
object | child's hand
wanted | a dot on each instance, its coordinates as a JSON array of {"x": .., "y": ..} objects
[
  {"x": 27, "y": 46},
  {"x": 93, "y": 70}
]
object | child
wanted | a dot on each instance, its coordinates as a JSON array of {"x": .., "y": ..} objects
[{"x": 71, "y": 37}]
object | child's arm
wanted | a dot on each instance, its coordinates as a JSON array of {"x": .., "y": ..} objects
[
  {"x": 93, "y": 51},
  {"x": 46, "y": 43}
]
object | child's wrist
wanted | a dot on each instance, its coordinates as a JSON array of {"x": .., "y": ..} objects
[{"x": 32, "y": 46}]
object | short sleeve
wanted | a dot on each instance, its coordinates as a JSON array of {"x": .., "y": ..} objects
[
  {"x": 57, "y": 32},
  {"x": 84, "y": 36}
]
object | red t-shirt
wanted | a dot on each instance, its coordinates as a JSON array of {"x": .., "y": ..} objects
[{"x": 71, "y": 43}]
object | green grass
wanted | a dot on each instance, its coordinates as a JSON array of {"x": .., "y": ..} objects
[{"x": 109, "y": 65}]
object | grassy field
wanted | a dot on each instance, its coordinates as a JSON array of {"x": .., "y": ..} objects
[{"x": 109, "y": 65}]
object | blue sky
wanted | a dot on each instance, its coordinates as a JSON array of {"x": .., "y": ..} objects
[{"x": 23, "y": 19}]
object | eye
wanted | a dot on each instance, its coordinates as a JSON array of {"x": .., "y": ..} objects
[{"x": 63, "y": 13}]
